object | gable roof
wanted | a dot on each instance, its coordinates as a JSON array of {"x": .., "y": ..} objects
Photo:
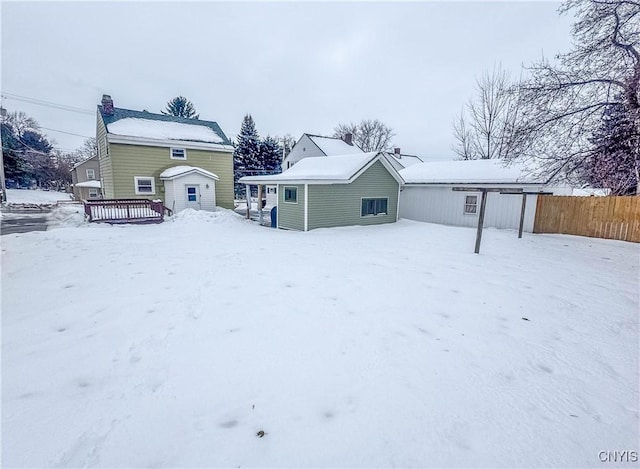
[
  {"x": 468, "y": 172},
  {"x": 402, "y": 161},
  {"x": 86, "y": 160},
  {"x": 341, "y": 169},
  {"x": 130, "y": 123},
  {"x": 179, "y": 171},
  {"x": 332, "y": 146}
]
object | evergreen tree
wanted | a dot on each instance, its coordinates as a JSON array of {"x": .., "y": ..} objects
[
  {"x": 613, "y": 163},
  {"x": 181, "y": 107},
  {"x": 271, "y": 155},
  {"x": 246, "y": 156}
]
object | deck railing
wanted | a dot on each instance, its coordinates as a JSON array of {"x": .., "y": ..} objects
[{"x": 125, "y": 211}]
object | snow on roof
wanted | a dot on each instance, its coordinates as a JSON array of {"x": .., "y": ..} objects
[
  {"x": 83, "y": 161},
  {"x": 332, "y": 146},
  {"x": 329, "y": 168},
  {"x": 176, "y": 171},
  {"x": 146, "y": 128},
  {"x": 93, "y": 183},
  {"x": 468, "y": 172}
]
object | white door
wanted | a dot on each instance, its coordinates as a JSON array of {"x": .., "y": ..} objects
[{"x": 193, "y": 197}]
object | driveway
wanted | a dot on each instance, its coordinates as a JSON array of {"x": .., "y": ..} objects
[{"x": 23, "y": 221}]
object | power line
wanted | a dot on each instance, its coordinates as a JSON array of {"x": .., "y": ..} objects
[
  {"x": 40, "y": 102},
  {"x": 65, "y": 132}
]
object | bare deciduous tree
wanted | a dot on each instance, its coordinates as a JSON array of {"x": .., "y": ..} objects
[
  {"x": 565, "y": 100},
  {"x": 369, "y": 134},
  {"x": 484, "y": 129}
]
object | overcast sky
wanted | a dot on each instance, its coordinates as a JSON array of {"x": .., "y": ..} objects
[{"x": 295, "y": 67}]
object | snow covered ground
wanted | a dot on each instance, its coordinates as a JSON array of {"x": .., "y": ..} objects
[
  {"x": 37, "y": 196},
  {"x": 175, "y": 344}
]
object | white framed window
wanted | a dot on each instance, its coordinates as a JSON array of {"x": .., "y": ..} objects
[
  {"x": 471, "y": 204},
  {"x": 291, "y": 195},
  {"x": 145, "y": 185},
  {"x": 93, "y": 193},
  {"x": 178, "y": 154},
  {"x": 374, "y": 207},
  {"x": 91, "y": 173}
]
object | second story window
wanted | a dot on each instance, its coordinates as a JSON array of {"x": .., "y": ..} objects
[
  {"x": 91, "y": 173},
  {"x": 178, "y": 154}
]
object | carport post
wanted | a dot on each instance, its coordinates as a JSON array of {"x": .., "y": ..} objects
[
  {"x": 524, "y": 206},
  {"x": 260, "y": 216},
  {"x": 248, "y": 196},
  {"x": 483, "y": 204}
]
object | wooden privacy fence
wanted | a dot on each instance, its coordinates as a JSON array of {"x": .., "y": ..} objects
[
  {"x": 125, "y": 211},
  {"x": 597, "y": 217}
]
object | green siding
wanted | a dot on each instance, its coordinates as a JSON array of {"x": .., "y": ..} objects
[
  {"x": 290, "y": 215},
  {"x": 106, "y": 172},
  {"x": 340, "y": 204},
  {"x": 129, "y": 161}
]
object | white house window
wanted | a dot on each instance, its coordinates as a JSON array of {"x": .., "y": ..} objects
[
  {"x": 374, "y": 207},
  {"x": 93, "y": 193},
  {"x": 145, "y": 185},
  {"x": 178, "y": 154},
  {"x": 91, "y": 173},
  {"x": 291, "y": 195},
  {"x": 471, "y": 204}
]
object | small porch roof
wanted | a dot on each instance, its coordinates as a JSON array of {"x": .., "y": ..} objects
[
  {"x": 93, "y": 184},
  {"x": 179, "y": 171}
]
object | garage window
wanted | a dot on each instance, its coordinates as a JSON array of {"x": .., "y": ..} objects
[
  {"x": 471, "y": 204},
  {"x": 374, "y": 207},
  {"x": 291, "y": 195}
]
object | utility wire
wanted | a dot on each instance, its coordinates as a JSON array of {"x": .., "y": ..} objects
[
  {"x": 65, "y": 132},
  {"x": 40, "y": 102}
]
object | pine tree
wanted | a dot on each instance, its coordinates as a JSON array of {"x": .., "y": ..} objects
[
  {"x": 270, "y": 155},
  {"x": 181, "y": 107},
  {"x": 614, "y": 161},
  {"x": 246, "y": 156}
]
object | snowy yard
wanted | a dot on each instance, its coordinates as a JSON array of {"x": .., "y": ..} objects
[
  {"x": 36, "y": 196},
  {"x": 175, "y": 344}
]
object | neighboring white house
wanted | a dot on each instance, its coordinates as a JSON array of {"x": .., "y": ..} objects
[
  {"x": 401, "y": 161},
  {"x": 428, "y": 195},
  {"x": 189, "y": 187},
  {"x": 316, "y": 145}
]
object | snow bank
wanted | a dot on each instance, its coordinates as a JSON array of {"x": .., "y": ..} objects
[
  {"x": 174, "y": 345},
  {"x": 67, "y": 216}
]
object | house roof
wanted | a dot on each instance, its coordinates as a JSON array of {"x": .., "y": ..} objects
[
  {"x": 92, "y": 183},
  {"x": 79, "y": 163},
  {"x": 327, "y": 170},
  {"x": 468, "y": 172},
  {"x": 127, "y": 122},
  {"x": 178, "y": 171},
  {"x": 402, "y": 161},
  {"x": 332, "y": 146}
]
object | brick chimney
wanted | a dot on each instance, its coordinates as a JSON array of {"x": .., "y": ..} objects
[
  {"x": 348, "y": 139},
  {"x": 396, "y": 152},
  {"x": 107, "y": 105}
]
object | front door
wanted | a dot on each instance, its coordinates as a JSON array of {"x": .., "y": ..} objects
[{"x": 193, "y": 197}]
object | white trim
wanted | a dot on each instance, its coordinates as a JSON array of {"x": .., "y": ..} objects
[
  {"x": 152, "y": 142},
  {"x": 398, "y": 203},
  {"x": 184, "y": 152},
  {"x": 96, "y": 193},
  {"x": 284, "y": 193},
  {"x": 153, "y": 185},
  {"x": 93, "y": 173},
  {"x": 374, "y": 216},
  {"x": 306, "y": 207}
]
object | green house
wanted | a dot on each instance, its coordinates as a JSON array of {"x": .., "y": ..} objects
[
  {"x": 359, "y": 189},
  {"x": 186, "y": 163}
]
